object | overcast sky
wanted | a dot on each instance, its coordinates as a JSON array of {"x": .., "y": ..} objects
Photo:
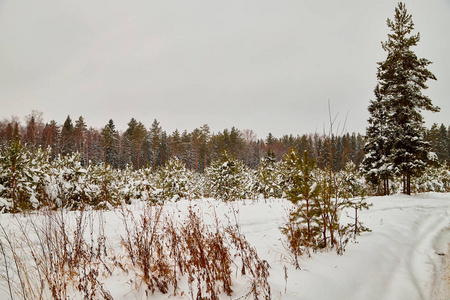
[{"x": 269, "y": 66}]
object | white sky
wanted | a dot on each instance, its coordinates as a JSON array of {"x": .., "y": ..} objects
[{"x": 269, "y": 66}]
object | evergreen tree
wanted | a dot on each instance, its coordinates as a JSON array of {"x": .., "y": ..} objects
[
  {"x": 34, "y": 127},
  {"x": 163, "y": 151},
  {"x": 155, "y": 137},
  {"x": 136, "y": 135},
  {"x": 79, "y": 132},
  {"x": 30, "y": 135},
  {"x": 226, "y": 178},
  {"x": 314, "y": 221},
  {"x": 108, "y": 141},
  {"x": 303, "y": 191},
  {"x": 185, "y": 142},
  {"x": 402, "y": 77},
  {"x": 23, "y": 177},
  {"x": 268, "y": 177},
  {"x": 139, "y": 136},
  {"x": 447, "y": 143},
  {"x": 50, "y": 136},
  {"x": 94, "y": 150},
  {"x": 6, "y": 134},
  {"x": 270, "y": 140},
  {"x": 113, "y": 152},
  {"x": 67, "y": 134},
  {"x": 128, "y": 141},
  {"x": 175, "y": 143},
  {"x": 196, "y": 136},
  {"x": 236, "y": 143},
  {"x": 204, "y": 144},
  {"x": 441, "y": 144},
  {"x": 376, "y": 165},
  {"x": 174, "y": 181}
]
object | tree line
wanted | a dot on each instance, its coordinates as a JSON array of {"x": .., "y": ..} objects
[{"x": 140, "y": 146}]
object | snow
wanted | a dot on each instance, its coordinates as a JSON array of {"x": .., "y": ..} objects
[
  {"x": 402, "y": 258},
  {"x": 398, "y": 260}
]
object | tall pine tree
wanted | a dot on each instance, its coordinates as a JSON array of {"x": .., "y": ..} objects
[{"x": 402, "y": 77}]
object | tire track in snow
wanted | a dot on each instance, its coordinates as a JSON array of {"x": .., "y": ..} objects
[
  {"x": 445, "y": 280},
  {"x": 421, "y": 254},
  {"x": 441, "y": 284},
  {"x": 415, "y": 261}
]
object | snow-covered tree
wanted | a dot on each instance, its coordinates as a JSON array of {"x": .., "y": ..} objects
[
  {"x": 439, "y": 138},
  {"x": 351, "y": 189},
  {"x": 68, "y": 185},
  {"x": 141, "y": 184},
  {"x": 302, "y": 190},
  {"x": 402, "y": 77},
  {"x": 268, "y": 178},
  {"x": 350, "y": 182},
  {"x": 23, "y": 177},
  {"x": 173, "y": 181},
  {"x": 376, "y": 164},
  {"x": 226, "y": 178},
  {"x": 434, "y": 179},
  {"x": 102, "y": 187}
]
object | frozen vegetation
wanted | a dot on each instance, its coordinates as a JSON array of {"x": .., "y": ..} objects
[
  {"x": 98, "y": 254},
  {"x": 287, "y": 230}
]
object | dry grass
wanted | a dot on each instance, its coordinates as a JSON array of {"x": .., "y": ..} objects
[
  {"x": 162, "y": 251},
  {"x": 55, "y": 259},
  {"x": 66, "y": 255}
]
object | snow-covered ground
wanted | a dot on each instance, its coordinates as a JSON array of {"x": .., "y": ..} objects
[{"x": 402, "y": 258}]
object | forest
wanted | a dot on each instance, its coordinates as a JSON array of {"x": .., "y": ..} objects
[
  {"x": 140, "y": 146},
  {"x": 71, "y": 165}
]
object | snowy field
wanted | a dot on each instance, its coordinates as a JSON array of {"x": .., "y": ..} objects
[{"x": 404, "y": 257}]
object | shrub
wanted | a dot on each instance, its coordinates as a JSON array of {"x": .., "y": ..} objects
[
  {"x": 268, "y": 178},
  {"x": 226, "y": 179},
  {"x": 173, "y": 181}
]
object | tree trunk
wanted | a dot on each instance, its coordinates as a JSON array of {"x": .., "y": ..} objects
[
  {"x": 196, "y": 159},
  {"x": 154, "y": 158},
  {"x": 404, "y": 183},
  {"x": 309, "y": 222},
  {"x": 386, "y": 185},
  {"x": 408, "y": 183}
]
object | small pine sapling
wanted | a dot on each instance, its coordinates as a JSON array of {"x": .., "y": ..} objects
[
  {"x": 226, "y": 178},
  {"x": 357, "y": 226},
  {"x": 302, "y": 190},
  {"x": 267, "y": 177}
]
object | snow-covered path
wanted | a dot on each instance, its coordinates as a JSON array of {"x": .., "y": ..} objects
[
  {"x": 418, "y": 232},
  {"x": 402, "y": 258}
]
